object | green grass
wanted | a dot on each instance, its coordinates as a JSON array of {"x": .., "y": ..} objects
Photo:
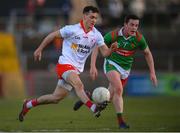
[{"x": 142, "y": 114}]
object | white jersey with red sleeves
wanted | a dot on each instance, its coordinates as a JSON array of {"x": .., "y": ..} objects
[{"x": 77, "y": 44}]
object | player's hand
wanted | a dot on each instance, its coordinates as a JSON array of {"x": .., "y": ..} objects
[
  {"x": 114, "y": 46},
  {"x": 93, "y": 73},
  {"x": 153, "y": 79},
  {"x": 37, "y": 54}
]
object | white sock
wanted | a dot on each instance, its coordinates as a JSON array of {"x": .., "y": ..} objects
[
  {"x": 29, "y": 104},
  {"x": 93, "y": 107}
]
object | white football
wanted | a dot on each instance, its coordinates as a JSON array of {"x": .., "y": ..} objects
[{"x": 100, "y": 94}]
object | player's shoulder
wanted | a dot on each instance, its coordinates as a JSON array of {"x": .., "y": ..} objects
[
  {"x": 116, "y": 30},
  {"x": 73, "y": 27},
  {"x": 96, "y": 32},
  {"x": 138, "y": 36},
  {"x": 113, "y": 34}
]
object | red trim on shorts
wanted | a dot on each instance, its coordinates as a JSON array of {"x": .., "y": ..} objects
[
  {"x": 124, "y": 81},
  {"x": 61, "y": 68}
]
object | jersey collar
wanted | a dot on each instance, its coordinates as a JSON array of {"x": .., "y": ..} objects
[
  {"x": 120, "y": 33},
  {"x": 83, "y": 27}
]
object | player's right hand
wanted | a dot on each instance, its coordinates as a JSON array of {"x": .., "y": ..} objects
[
  {"x": 93, "y": 73},
  {"x": 154, "y": 79},
  {"x": 37, "y": 54},
  {"x": 114, "y": 46}
]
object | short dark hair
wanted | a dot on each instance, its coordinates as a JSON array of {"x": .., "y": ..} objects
[
  {"x": 90, "y": 8},
  {"x": 131, "y": 16}
]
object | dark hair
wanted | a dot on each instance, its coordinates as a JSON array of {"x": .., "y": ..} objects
[
  {"x": 131, "y": 16},
  {"x": 93, "y": 9}
]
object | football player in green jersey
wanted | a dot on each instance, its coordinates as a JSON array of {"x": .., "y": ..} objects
[{"x": 118, "y": 65}]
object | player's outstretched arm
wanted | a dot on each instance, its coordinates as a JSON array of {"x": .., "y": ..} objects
[
  {"x": 93, "y": 69},
  {"x": 105, "y": 51},
  {"x": 150, "y": 62},
  {"x": 49, "y": 38}
]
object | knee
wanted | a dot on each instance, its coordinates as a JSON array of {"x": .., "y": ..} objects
[
  {"x": 79, "y": 86},
  {"x": 119, "y": 91}
]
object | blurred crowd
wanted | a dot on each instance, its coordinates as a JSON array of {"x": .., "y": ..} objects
[
  {"x": 112, "y": 11},
  {"x": 31, "y": 20},
  {"x": 43, "y": 16}
]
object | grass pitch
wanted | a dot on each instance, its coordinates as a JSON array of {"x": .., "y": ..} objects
[{"x": 143, "y": 114}]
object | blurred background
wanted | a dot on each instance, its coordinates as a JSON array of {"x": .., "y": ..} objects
[{"x": 24, "y": 23}]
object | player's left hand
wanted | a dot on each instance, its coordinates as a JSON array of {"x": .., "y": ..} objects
[{"x": 154, "y": 79}]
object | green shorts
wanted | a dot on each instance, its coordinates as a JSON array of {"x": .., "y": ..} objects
[{"x": 111, "y": 65}]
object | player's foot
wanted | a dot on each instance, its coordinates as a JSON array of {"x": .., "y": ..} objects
[
  {"x": 23, "y": 111},
  {"x": 79, "y": 103},
  {"x": 123, "y": 125},
  {"x": 99, "y": 108},
  {"x": 97, "y": 112}
]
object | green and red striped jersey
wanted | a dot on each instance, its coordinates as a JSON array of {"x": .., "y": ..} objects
[{"x": 127, "y": 47}]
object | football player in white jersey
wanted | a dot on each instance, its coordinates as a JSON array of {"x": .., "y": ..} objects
[{"x": 78, "y": 42}]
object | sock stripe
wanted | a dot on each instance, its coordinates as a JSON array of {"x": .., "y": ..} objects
[
  {"x": 93, "y": 107},
  {"x": 34, "y": 102},
  {"x": 89, "y": 104},
  {"x": 120, "y": 117}
]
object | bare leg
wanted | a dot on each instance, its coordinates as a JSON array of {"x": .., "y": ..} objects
[
  {"x": 76, "y": 82},
  {"x": 58, "y": 94},
  {"x": 117, "y": 90},
  {"x": 111, "y": 89}
]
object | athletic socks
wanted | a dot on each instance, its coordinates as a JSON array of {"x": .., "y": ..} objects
[
  {"x": 32, "y": 103},
  {"x": 120, "y": 118},
  {"x": 121, "y": 122},
  {"x": 91, "y": 105}
]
